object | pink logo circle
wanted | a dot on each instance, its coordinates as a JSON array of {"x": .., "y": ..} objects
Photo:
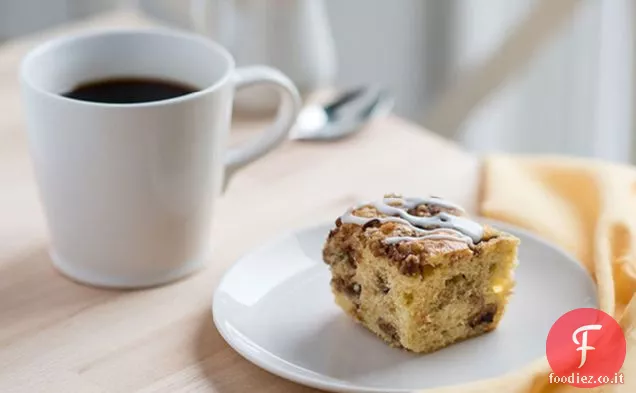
[{"x": 586, "y": 348}]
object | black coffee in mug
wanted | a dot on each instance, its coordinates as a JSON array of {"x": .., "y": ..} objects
[{"x": 129, "y": 90}]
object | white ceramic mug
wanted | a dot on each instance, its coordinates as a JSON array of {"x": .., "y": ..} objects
[{"x": 129, "y": 189}]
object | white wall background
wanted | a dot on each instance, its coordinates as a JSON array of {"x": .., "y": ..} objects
[
  {"x": 25, "y": 16},
  {"x": 574, "y": 97}
]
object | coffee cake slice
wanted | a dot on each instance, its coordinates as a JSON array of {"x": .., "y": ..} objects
[{"x": 418, "y": 272}]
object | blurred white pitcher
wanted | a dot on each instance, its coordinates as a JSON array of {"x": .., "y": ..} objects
[{"x": 293, "y": 36}]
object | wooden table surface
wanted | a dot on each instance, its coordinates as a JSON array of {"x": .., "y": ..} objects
[{"x": 59, "y": 336}]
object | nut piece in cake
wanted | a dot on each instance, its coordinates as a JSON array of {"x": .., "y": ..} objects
[{"x": 418, "y": 272}]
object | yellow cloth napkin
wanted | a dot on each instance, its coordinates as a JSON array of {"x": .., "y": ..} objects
[{"x": 587, "y": 207}]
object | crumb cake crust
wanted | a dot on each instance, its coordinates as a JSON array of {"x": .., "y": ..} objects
[{"x": 409, "y": 256}]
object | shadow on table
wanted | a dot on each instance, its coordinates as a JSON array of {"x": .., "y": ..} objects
[{"x": 227, "y": 372}]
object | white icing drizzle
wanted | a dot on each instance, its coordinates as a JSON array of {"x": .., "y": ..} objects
[
  {"x": 398, "y": 239},
  {"x": 442, "y": 226},
  {"x": 411, "y": 202}
]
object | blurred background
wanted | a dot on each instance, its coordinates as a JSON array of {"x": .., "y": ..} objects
[{"x": 521, "y": 76}]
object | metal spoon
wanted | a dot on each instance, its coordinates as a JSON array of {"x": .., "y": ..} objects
[{"x": 346, "y": 115}]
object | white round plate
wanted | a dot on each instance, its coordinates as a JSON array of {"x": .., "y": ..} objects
[{"x": 275, "y": 308}]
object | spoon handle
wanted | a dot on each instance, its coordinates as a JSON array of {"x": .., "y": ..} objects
[{"x": 343, "y": 99}]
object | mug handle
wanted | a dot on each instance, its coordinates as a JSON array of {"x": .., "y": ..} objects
[{"x": 288, "y": 110}]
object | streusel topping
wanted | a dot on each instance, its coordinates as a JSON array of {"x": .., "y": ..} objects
[{"x": 430, "y": 218}]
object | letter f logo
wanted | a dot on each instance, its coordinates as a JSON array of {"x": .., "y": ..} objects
[{"x": 583, "y": 344}]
